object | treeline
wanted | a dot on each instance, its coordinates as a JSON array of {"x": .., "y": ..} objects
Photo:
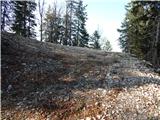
[
  {"x": 65, "y": 27},
  {"x": 18, "y": 17},
  {"x": 140, "y": 30}
]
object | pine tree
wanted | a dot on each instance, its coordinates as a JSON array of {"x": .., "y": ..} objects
[
  {"x": 31, "y": 19},
  {"x": 95, "y": 40},
  {"x": 24, "y": 22},
  {"x": 123, "y": 39},
  {"x": 68, "y": 29},
  {"x": 71, "y": 26},
  {"x": 75, "y": 22},
  {"x": 53, "y": 28},
  {"x": 48, "y": 25},
  {"x": 82, "y": 36},
  {"x": 18, "y": 25},
  {"x": 107, "y": 46},
  {"x": 140, "y": 30},
  {"x": 65, "y": 39}
]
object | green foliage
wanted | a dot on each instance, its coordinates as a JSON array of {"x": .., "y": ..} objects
[
  {"x": 82, "y": 37},
  {"x": 95, "y": 40},
  {"x": 24, "y": 19},
  {"x": 139, "y": 31},
  {"x": 68, "y": 29},
  {"x": 107, "y": 46},
  {"x": 53, "y": 26}
]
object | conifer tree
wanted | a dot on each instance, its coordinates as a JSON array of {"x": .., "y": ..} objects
[
  {"x": 65, "y": 39},
  {"x": 41, "y": 13},
  {"x": 68, "y": 29},
  {"x": 95, "y": 40},
  {"x": 75, "y": 23},
  {"x": 24, "y": 18},
  {"x": 71, "y": 26},
  {"x": 53, "y": 27},
  {"x": 107, "y": 46},
  {"x": 82, "y": 37},
  {"x": 140, "y": 30}
]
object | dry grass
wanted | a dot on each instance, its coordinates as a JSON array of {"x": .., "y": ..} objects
[{"x": 57, "y": 82}]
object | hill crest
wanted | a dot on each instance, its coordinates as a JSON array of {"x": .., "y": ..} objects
[{"x": 49, "y": 81}]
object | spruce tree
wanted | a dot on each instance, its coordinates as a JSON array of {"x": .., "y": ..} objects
[
  {"x": 68, "y": 29},
  {"x": 53, "y": 25},
  {"x": 70, "y": 25},
  {"x": 75, "y": 23},
  {"x": 107, "y": 46},
  {"x": 65, "y": 38},
  {"x": 82, "y": 36},
  {"x": 24, "y": 18},
  {"x": 139, "y": 33},
  {"x": 95, "y": 40},
  {"x": 31, "y": 7}
]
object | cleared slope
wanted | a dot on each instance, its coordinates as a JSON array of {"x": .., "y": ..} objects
[{"x": 48, "y": 81}]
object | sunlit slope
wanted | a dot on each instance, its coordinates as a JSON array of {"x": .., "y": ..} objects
[{"x": 49, "y": 81}]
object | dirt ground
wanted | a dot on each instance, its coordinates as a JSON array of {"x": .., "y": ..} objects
[{"x": 44, "y": 81}]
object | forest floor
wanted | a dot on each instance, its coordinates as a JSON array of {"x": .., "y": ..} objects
[{"x": 44, "y": 81}]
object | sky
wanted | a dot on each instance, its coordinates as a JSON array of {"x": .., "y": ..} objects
[{"x": 104, "y": 15}]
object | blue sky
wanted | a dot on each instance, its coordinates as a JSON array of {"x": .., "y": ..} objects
[{"x": 104, "y": 15}]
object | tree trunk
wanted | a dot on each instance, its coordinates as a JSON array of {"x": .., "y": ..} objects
[
  {"x": 41, "y": 10},
  {"x": 41, "y": 28},
  {"x": 155, "y": 57}
]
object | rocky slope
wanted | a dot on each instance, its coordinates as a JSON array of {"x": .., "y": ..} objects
[{"x": 44, "y": 81}]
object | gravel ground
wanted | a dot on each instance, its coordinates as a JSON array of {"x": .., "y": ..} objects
[{"x": 43, "y": 81}]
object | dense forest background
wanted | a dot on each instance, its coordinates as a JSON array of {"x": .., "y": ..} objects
[
  {"x": 139, "y": 33},
  {"x": 65, "y": 27},
  {"x": 140, "y": 30}
]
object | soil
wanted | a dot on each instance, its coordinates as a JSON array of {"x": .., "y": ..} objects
[{"x": 45, "y": 81}]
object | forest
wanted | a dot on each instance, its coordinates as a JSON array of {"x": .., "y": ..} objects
[
  {"x": 140, "y": 30},
  {"x": 66, "y": 27}
]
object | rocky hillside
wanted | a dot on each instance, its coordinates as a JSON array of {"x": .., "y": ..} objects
[{"x": 44, "y": 81}]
